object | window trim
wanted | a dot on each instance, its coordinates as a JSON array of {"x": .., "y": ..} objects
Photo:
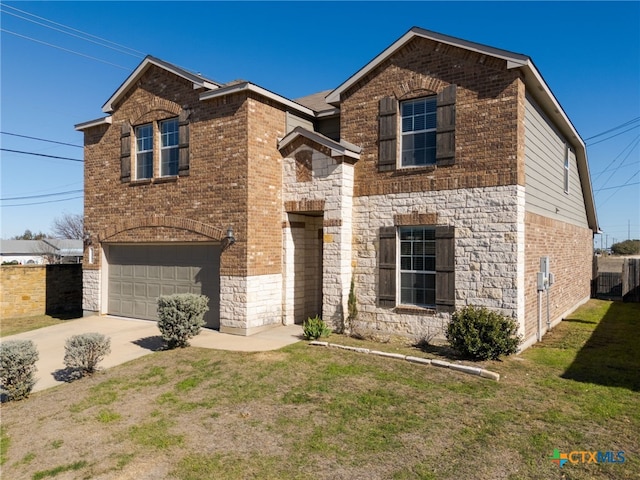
[
  {"x": 567, "y": 168},
  {"x": 403, "y": 134},
  {"x": 400, "y": 271},
  {"x": 139, "y": 152},
  {"x": 175, "y": 147}
]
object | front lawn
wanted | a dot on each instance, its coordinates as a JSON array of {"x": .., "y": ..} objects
[
  {"x": 13, "y": 326},
  {"x": 314, "y": 412}
]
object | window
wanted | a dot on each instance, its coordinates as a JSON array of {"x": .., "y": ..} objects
[
  {"x": 144, "y": 151},
  {"x": 169, "y": 151},
  {"x": 418, "y": 132},
  {"x": 417, "y": 266},
  {"x": 566, "y": 169}
]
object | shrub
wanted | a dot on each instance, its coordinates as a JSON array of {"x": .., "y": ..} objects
[
  {"x": 314, "y": 328},
  {"x": 83, "y": 352},
  {"x": 181, "y": 317},
  {"x": 482, "y": 334},
  {"x": 17, "y": 368}
]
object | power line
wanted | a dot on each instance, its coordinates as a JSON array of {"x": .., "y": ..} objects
[
  {"x": 627, "y": 183},
  {"x": 41, "y": 155},
  {"x": 618, "y": 186},
  {"x": 607, "y": 169},
  {"x": 612, "y": 136},
  {"x": 40, "y": 203},
  {"x": 637, "y": 141},
  {"x": 633, "y": 120},
  {"x": 64, "y": 49},
  {"x": 71, "y": 34},
  {"x": 68, "y": 192},
  {"x": 140, "y": 54},
  {"x": 41, "y": 139}
]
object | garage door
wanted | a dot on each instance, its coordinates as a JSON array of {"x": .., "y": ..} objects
[{"x": 138, "y": 274}]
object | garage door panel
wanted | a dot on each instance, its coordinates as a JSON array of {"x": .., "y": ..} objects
[{"x": 138, "y": 274}]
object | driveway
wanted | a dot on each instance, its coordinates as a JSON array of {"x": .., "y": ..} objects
[{"x": 132, "y": 338}]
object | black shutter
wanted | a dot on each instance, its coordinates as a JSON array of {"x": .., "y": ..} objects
[
  {"x": 388, "y": 131},
  {"x": 387, "y": 268},
  {"x": 445, "y": 269},
  {"x": 446, "y": 127},
  {"x": 125, "y": 153},
  {"x": 183, "y": 139}
]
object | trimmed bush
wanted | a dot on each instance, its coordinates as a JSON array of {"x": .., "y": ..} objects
[
  {"x": 17, "y": 368},
  {"x": 314, "y": 328},
  {"x": 482, "y": 334},
  {"x": 83, "y": 352},
  {"x": 181, "y": 317}
]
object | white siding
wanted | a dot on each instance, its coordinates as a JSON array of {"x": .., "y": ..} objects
[{"x": 544, "y": 187}]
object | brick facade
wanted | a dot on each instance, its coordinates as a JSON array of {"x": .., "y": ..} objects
[
  {"x": 570, "y": 249},
  {"x": 306, "y": 209}
]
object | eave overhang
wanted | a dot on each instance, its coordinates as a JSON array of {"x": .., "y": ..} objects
[
  {"x": 251, "y": 87},
  {"x": 338, "y": 149},
  {"x": 197, "y": 80},
  {"x": 93, "y": 123}
]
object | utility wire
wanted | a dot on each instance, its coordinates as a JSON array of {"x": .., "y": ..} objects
[
  {"x": 637, "y": 141},
  {"x": 41, "y": 155},
  {"x": 140, "y": 54},
  {"x": 627, "y": 183},
  {"x": 64, "y": 49},
  {"x": 71, "y": 34},
  {"x": 40, "y": 203},
  {"x": 618, "y": 186},
  {"x": 613, "y": 136},
  {"x": 41, "y": 139},
  {"x": 68, "y": 192},
  {"x": 617, "y": 168},
  {"x": 633, "y": 120}
]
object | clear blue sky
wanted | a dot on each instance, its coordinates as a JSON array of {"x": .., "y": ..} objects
[{"x": 588, "y": 52}]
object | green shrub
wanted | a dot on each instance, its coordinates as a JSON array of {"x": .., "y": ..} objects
[
  {"x": 482, "y": 334},
  {"x": 83, "y": 352},
  {"x": 314, "y": 328},
  {"x": 17, "y": 368},
  {"x": 181, "y": 317}
]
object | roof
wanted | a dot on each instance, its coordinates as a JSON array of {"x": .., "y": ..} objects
[
  {"x": 317, "y": 102},
  {"x": 534, "y": 83},
  {"x": 338, "y": 149},
  {"x": 198, "y": 80},
  {"x": 62, "y": 247}
]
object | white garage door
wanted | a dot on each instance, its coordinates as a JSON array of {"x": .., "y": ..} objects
[{"x": 138, "y": 274}]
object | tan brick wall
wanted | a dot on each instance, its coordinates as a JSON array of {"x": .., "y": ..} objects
[
  {"x": 490, "y": 99},
  {"x": 214, "y": 194},
  {"x": 23, "y": 291},
  {"x": 36, "y": 290},
  {"x": 570, "y": 251},
  {"x": 264, "y": 230}
]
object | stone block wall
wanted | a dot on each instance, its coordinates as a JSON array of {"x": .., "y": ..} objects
[
  {"x": 570, "y": 251},
  {"x": 488, "y": 244}
]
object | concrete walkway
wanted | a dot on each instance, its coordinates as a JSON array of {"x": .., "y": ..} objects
[{"x": 131, "y": 339}]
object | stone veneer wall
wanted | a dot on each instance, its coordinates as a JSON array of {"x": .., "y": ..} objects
[
  {"x": 488, "y": 246},
  {"x": 326, "y": 187},
  {"x": 570, "y": 251},
  {"x": 249, "y": 304},
  {"x": 91, "y": 290}
]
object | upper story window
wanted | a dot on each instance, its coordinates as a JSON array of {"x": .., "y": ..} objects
[
  {"x": 169, "y": 147},
  {"x": 144, "y": 151},
  {"x": 418, "y": 132}
]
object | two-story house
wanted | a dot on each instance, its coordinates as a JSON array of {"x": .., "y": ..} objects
[{"x": 435, "y": 177}]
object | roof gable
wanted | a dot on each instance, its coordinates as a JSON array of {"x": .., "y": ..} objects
[{"x": 197, "y": 80}]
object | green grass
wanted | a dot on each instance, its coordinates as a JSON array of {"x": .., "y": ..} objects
[
  {"x": 13, "y": 326},
  {"x": 306, "y": 411},
  {"x": 5, "y": 441},
  {"x": 58, "y": 470}
]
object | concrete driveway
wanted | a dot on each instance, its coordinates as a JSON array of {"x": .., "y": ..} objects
[{"x": 131, "y": 339}]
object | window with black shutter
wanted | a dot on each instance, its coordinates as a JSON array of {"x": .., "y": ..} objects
[
  {"x": 125, "y": 153},
  {"x": 388, "y": 131}
]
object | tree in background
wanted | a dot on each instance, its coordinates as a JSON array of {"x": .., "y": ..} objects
[
  {"x": 29, "y": 235},
  {"x": 70, "y": 225},
  {"x": 628, "y": 247}
]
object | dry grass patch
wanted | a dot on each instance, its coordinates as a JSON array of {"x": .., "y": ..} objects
[
  {"x": 309, "y": 412},
  {"x": 13, "y": 326}
]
